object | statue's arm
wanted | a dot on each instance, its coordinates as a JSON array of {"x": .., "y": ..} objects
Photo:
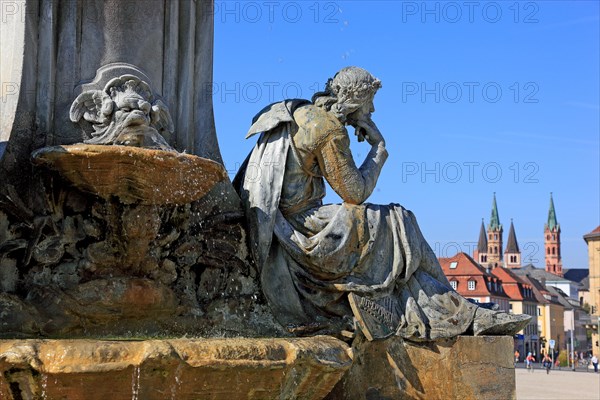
[{"x": 354, "y": 185}]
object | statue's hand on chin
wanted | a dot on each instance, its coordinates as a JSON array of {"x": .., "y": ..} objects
[{"x": 365, "y": 129}]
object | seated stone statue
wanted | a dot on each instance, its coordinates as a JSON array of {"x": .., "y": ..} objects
[{"x": 321, "y": 264}]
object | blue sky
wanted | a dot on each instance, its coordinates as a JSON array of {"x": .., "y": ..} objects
[{"x": 477, "y": 98}]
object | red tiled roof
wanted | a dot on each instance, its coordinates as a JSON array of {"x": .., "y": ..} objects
[
  {"x": 465, "y": 265},
  {"x": 507, "y": 275},
  {"x": 513, "y": 284},
  {"x": 593, "y": 234},
  {"x": 538, "y": 289},
  {"x": 480, "y": 286},
  {"x": 513, "y": 292},
  {"x": 467, "y": 269}
]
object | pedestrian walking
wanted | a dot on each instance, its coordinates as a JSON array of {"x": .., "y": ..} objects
[
  {"x": 547, "y": 363},
  {"x": 529, "y": 361},
  {"x": 595, "y": 363}
]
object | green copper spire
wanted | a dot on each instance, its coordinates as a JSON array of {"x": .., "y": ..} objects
[
  {"x": 552, "y": 223},
  {"x": 495, "y": 219}
]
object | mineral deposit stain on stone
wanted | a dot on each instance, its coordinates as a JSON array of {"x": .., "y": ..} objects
[
  {"x": 466, "y": 368},
  {"x": 133, "y": 174},
  {"x": 226, "y": 369}
]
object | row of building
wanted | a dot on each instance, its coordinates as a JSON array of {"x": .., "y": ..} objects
[{"x": 563, "y": 303}]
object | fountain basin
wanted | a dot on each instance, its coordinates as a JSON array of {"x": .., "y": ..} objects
[
  {"x": 133, "y": 174},
  {"x": 236, "y": 368}
]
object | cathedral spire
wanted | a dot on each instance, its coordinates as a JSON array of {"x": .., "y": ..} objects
[
  {"x": 511, "y": 245},
  {"x": 552, "y": 242},
  {"x": 482, "y": 244},
  {"x": 512, "y": 254},
  {"x": 480, "y": 252},
  {"x": 495, "y": 219},
  {"x": 494, "y": 237},
  {"x": 552, "y": 223}
]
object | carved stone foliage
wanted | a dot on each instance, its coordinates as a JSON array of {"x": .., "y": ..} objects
[
  {"x": 123, "y": 235},
  {"x": 88, "y": 266}
]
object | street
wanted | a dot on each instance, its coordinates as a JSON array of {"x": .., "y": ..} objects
[{"x": 558, "y": 385}]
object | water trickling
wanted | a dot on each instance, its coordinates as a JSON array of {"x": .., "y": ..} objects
[
  {"x": 135, "y": 383},
  {"x": 44, "y": 379},
  {"x": 176, "y": 386}
]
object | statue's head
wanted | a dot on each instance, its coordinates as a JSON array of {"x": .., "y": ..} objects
[
  {"x": 132, "y": 100},
  {"x": 126, "y": 111},
  {"x": 347, "y": 91}
]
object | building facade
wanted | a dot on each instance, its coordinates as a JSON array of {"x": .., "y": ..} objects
[
  {"x": 553, "y": 299},
  {"x": 473, "y": 281},
  {"x": 566, "y": 293},
  {"x": 522, "y": 301},
  {"x": 593, "y": 243},
  {"x": 549, "y": 314}
]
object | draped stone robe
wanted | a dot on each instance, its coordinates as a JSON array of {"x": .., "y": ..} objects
[{"x": 311, "y": 255}]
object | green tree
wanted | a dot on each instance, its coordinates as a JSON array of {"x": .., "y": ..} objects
[{"x": 563, "y": 358}]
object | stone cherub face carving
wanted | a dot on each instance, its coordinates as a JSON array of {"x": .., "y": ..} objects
[{"x": 124, "y": 113}]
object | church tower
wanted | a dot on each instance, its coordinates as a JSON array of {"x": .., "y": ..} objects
[
  {"x": 552, "y": 242},
  {"x": 480, "y": 253},
  {"x": 512, "y": 254},
  {"x": 494, "y": 233}
]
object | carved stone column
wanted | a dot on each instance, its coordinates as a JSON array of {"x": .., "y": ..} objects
[
  {"x": 52, "y": 51},
  {"x": 57, "y": 241}
]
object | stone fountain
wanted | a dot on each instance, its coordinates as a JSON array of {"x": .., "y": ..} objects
[{"x": 123, "y": 244}]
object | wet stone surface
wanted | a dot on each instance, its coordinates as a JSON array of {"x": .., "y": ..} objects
[
  {"x": 79, "y": 264},
  {"x": 226, "y": 369}
]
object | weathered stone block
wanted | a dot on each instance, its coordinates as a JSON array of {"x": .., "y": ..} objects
[
  {"x": 228, "y": 369},
  {"x": 133, "y": 174},
  {"x": 477, "y": 368}
]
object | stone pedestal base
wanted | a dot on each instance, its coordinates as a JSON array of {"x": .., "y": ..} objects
[
  {"x": 179, "y": 369},
  {"x": 477, "y": 368}
]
